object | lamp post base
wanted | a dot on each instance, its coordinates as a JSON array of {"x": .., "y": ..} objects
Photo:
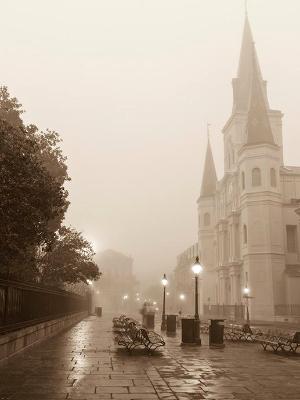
[
  {"x": 163, "y": 324},
  {"x": 190, "y": 332},
  {"x": 182, "y": 344},
  {"x": 197, "y": 332}
]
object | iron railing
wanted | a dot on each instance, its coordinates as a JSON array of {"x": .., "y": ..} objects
[
  {"x": 287, "y": 310},
  {"x": 232, "y": 312},
  {"x": 25, "y": 304}
]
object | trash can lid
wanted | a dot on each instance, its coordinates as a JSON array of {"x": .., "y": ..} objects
[
  {"x": 188, "y": 318},
  {"x": 217, "y": 319}
]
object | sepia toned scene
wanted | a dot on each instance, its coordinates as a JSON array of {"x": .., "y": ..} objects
[{"x": 150, "y": 200}]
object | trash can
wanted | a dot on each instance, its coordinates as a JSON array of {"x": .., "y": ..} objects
[
  {"x": 98, "y": 311},
  {"x": 171, "y": 323},
  {"x": 190, "y": 331},
  {"x": 148, "y": 320},
  {"x": 216, "y": 333}
]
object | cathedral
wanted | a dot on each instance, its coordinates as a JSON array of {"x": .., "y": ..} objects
[{"x": 248, "y": 239}]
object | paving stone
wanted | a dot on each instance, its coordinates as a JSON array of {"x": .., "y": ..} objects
[
  {"x": 133, "y": 396},
  {"x": 90, "y": 397},
  {"x": 141, "y": 389},
  {"x": 115, "y": 382},
  {"x": 112, "y": 389},
  {"x": 141, "y": 382}
]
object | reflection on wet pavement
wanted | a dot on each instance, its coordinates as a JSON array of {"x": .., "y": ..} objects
[{"x": 83, "y": 363}]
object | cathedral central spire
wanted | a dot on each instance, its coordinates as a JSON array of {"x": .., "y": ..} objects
[
  {"x": 242, "y": 84},
  {"x": 258, "y": 123}
]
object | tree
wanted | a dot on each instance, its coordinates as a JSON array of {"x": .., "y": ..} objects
[
  {"x": 29, "y": 198},
  {"x": 33, "y": 202},
  {"x": 10, "y": 108},
  {"x": 55, "y": 163},
  {"x": 70, "y": 259},
  {"x": 47, "y": 143}
]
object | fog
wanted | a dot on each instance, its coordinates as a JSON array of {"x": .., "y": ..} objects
[{"x": 130, "y": 85}]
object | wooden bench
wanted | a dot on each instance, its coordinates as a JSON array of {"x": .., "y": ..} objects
[
  {"x": 151, "y": 339},
  {"x": 240, "y": 333},
  {"x": 131, "y": 338},
  {"x": 121, "y": 323},
  {"x": 133, "y": 335},
  {"x": 204, "y": 327},
  {"x": 283, "y": 343}
]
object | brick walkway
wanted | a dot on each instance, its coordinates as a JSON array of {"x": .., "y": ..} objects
[{"x": 83, "y": 363}]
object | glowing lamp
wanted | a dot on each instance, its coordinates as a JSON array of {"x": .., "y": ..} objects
[
  {"x": 164, "y": 280},
  {"x": 197, "y": 267}
]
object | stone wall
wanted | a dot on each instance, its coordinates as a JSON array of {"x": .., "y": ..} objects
[{"x": 14, "y": 342}]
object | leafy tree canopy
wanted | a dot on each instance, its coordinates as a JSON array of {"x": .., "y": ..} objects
[
  {"x": 33, "y": 202},
  {"x": 10, "y": 109},
  {"x": 29, "y": 199},
  {"x": 70, "y": 259}
]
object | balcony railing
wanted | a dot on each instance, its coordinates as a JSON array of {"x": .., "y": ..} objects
[
  {"x": 231, "y": 312},
  {"x": 287, "y": 310},
  {"x": 25, "y": 304}
]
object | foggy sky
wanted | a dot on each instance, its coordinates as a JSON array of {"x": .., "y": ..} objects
[{"x": 130, "y": 86}]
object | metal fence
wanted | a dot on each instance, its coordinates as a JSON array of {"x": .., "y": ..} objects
[
  {"x": 231, "y": 312},
  {"x": 287, "y": 310},
  {"x": 24, "y": 304}
]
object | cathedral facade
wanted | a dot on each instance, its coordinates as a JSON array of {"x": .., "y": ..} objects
[{"x": 248, "y": 236}]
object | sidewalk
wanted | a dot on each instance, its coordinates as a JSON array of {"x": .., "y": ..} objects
[{"x": 84, "y": 364}]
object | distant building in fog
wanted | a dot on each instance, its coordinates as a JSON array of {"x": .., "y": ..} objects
[
  {"x": 117, "y": 280},
  {"x": 182, "y": 282},
  {"x": 248, "y": 230}
]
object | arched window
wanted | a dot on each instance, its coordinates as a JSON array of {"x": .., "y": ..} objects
[
  {"x": 273, "y": 177},
  {"x": 256, "y": 177},
  {"x": 206, "y": 219},
  {"x": 243, "y": 180},
  {"x": 245, "y": 234}
]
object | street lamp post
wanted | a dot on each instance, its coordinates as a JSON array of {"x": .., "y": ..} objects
[
  {"x": 247, "y": 297},
  {"x": 125, "y": 298},
  {"x": 164, "y": 282},
  {"x": 90, "y": 296},
  {"x": 197, "y": 269}
]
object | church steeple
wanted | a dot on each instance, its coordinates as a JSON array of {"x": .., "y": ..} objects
[
  {"x": 258, "y": 127},
  {"x": 242, "y": 84},
  {"x": 209, "y": 178}
]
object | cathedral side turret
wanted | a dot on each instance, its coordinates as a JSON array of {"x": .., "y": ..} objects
[{"x": 207, "y": 245}]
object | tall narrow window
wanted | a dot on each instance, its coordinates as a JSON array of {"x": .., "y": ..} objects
[
  {"x": 245, "y": 234},
  {"x": 291, "y": 238},
  {"x": 243, "y": 180},
  {"x": 206, "y": 219},
  {"x": 273, "y": 177},
  {"x": 256, "y": 177}
]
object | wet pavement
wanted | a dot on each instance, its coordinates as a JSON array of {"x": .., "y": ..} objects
[{"x": 84, "y": 363}]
